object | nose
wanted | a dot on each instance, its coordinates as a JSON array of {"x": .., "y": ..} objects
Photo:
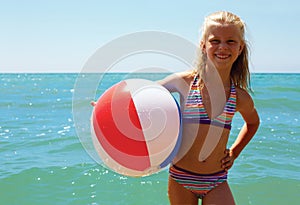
[{"x": 223, "y": 46}]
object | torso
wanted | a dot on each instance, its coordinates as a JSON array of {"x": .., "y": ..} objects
[
  {"x": 195, "y": 110},
  {"x": 197, "y": 120}
]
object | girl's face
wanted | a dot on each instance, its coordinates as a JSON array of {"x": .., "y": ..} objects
[{"x": 223, "y": 45}]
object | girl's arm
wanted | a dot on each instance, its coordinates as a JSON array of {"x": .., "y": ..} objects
[
  {"x": 246, "y": 108},
  {"x": 175, "y": 82},
  {"x": 169, "y": 82}
]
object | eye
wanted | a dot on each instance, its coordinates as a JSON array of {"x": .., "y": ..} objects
[
  {"x": 231, "y": 41},
  {"x": 214, "y": 41}
]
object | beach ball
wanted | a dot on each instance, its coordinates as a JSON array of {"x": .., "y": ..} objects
[{"x": 136, "y": 127}]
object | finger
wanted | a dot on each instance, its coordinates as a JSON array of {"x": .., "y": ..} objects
[
  {"x": 227, "y": 151},
  {"x": 226, "y": 163},
  {"x": 226, "y": 159},
  {"x": 227, "y": 166}
]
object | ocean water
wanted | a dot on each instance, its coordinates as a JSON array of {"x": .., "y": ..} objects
[{"x": 43, "y": 162}]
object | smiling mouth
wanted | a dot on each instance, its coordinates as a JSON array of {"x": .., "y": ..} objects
[{"x": 222, "y": 56}]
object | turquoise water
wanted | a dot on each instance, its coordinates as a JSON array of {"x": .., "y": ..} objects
[{"x": 43, "y": 161}]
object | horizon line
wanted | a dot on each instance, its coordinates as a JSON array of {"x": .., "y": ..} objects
[{"x": 66, "y": 72}]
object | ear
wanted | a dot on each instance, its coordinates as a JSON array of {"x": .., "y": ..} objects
[
  {"x": 202, "y": 46},
  {"x": 241, "y": 47}
]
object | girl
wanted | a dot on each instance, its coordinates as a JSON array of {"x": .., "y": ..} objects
[{"x": 209, "y": 97}]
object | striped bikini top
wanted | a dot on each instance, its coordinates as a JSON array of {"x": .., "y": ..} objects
[{"x": 195, "y": 112}]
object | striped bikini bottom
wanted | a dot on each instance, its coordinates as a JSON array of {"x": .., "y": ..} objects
[{"x": 199, "y": 184}]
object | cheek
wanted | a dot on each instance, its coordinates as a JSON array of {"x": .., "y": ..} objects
[
  {"x": 239, "y": 48},
  {"x": 205, "y": 47},
  {"x": 209, "y": 48},
  {"x": 235, "y": 49}
]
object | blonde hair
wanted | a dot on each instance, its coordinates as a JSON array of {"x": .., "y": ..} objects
[{"x": 239, "y": 73}]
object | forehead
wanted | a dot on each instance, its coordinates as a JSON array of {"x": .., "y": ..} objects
[{"x": 224, "y": 30}]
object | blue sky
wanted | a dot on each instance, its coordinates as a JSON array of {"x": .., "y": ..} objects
[{"x": 59, "y": 36}]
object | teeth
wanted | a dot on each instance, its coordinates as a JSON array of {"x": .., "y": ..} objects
[{"x": 222, "y": 56}]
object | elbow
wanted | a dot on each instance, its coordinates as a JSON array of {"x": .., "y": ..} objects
[
  {"x": 253, "y": 126},
  {"x": 254, "y": 121}
]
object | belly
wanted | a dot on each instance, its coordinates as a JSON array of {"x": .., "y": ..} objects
[{"x": 194, "y": 140}]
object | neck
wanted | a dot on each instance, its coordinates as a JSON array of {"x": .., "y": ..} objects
[{"x": 214, "y": 76}]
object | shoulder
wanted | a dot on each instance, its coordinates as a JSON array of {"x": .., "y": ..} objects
[
  {"x": 245, "y": 106},
  {"x": 186, "y": 75},
  {"x": 177, "y": 81},
  {"x": 244, "y": 99}
]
